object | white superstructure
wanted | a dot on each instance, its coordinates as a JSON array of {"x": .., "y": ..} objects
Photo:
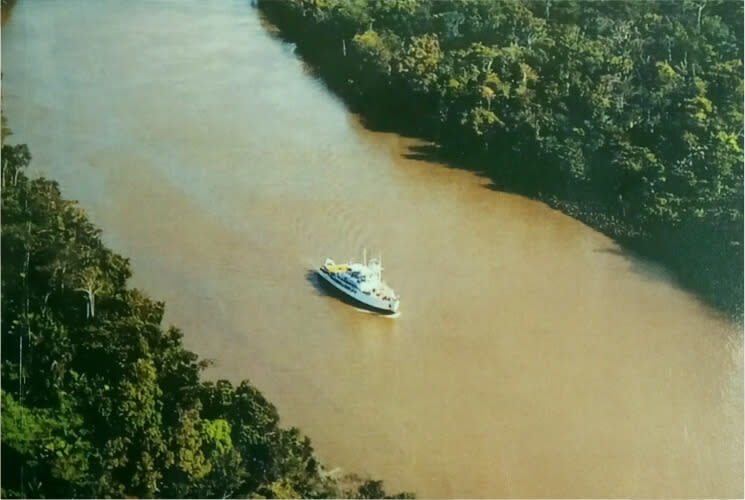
[{"x": 362, "y": 282}]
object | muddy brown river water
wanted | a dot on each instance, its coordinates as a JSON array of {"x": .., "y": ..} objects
[{"x": 532, "y": 358}]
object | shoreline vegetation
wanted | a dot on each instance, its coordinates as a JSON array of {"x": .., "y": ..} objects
[
  {"x": 625, "y": 115},
  {"x": 99, "y": 400}
]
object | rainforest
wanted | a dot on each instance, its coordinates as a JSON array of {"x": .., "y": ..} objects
[{"x": 555, "y": 188}]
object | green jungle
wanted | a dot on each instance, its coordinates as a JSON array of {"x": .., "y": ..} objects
[{"x": 626, "y": 115}]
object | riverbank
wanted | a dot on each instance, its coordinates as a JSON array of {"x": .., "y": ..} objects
[
  {"x": 393, "y": 71},
  {"x": 523, "y": 332}
]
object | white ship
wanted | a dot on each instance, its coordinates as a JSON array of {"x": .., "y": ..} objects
[{"x": 362, "y": 282}]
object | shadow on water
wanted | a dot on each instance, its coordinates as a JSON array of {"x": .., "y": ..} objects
[
  {"x": 321, "y": 288},
  {"x": 643, "y": 267},
  {"x": 434, "y": 153},
  {"x": 508, "y": 171},
  {"x": 671, "y": 255},
  {"x": 688, "y": 271}
]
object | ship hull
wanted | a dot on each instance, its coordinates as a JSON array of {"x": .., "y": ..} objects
[{"x": 365, "y": 300}]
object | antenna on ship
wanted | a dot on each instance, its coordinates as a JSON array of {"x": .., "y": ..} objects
[{"x": 364, "y": 255}]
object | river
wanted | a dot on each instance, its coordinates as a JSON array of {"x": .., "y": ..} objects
[{"x": 532, "y": 357}]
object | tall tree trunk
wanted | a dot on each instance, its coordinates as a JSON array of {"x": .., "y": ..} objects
[
  {"x": 92, "y": 302},
  {"x": 700, "y": 10}
]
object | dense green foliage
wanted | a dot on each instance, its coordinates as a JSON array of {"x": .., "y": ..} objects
[
  {"x": 98, "y": 400},
  {"x": 625, "y": 113}
]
